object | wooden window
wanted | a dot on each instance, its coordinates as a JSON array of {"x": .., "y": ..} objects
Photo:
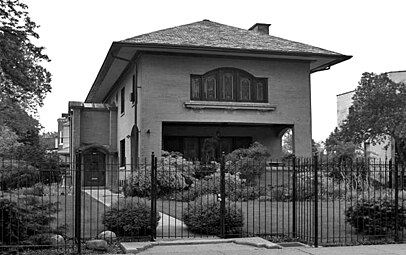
[
  {"x": 122, "y": 102},
  {"x": 228, "y": 84},
  {"x": 196, "y": 87},
  {"x": 259, "y": 91},
  {"x": 245, "y": 89},
  {"x": 122, "y": 153},
  {"x": 210, "y": 88}
]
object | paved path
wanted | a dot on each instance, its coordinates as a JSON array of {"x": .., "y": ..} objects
[
  {"x": 167, "y": 225},
  {"x": 238, "y": 249}
]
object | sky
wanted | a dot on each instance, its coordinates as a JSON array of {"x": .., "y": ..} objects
[{"x": 77, "y": 35}]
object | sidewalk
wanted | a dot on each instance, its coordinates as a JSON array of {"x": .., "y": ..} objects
[{"x": 222, "y": 247}]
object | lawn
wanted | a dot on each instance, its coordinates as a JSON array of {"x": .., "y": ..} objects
[{"x": 275, "y": 218}]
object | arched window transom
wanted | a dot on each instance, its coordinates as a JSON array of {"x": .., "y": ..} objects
[{"x": 228, "y": 84}]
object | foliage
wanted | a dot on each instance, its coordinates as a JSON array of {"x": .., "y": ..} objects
[
  {"x": 49, "y": 169},
  {"x": 13, "y": 175},
  {"x": 341, "y": 150},
  {"x": 25, "y": 217},
  {"x": 23, "y": 80},
  {"x": 206, "y": 169},
  {"x": 129, "y": 217},
  {"x": 249, "y": 163},
  {"x": 375, "y": 216},
  {"x": 378, "y": 112},
  {"x": 174, "y": 173},
  {"x": 8, "y": 141},
  {"x": 287, "y": 142},
  {"x": 203, "y": 216}
]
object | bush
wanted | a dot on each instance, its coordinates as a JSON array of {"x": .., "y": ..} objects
[
  {"x": 249, "y": 163},
  {"x": 13, "y": 176},
  {"x": 375, "y": 216},
  {"x": 129, "y": 217},
  {"x": 174, "y": 173},
  {"x": 203, "y": 216},
  {"x": 25, "y": 217}
]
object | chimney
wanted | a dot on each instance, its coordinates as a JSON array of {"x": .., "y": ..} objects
[{"x": 260, "y": 28}]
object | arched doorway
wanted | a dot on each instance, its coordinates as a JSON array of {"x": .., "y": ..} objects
[{"x": 94, "y": 171}]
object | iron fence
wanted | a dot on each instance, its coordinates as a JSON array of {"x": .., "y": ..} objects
[{"x": 315, "y": 201}]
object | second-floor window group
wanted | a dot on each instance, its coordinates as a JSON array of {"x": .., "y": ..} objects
[{"x": 228, "y": 85}]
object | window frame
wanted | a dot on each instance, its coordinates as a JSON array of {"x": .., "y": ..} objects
[
  {"x": 122, "y": 101},
  {"x": 122, "y": 153},
  {"x": 197, "y": 92}
]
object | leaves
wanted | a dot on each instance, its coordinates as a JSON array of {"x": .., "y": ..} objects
[
  {"x": 378, "y": 112},
  {"x": 23, "y": 80}
]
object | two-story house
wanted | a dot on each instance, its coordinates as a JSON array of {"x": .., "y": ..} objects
[{"x": 171, "y": 89}]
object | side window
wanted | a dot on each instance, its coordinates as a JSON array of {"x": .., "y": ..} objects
[
  {"x": 196, "y": 87},
  {"x": 122, "y": 152},
  {"x": 122, "y": 101}
]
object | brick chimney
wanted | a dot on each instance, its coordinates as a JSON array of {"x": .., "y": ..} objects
[{"x": 261, "y": 28}]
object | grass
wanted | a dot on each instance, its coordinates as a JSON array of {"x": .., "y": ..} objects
[{"x": 276, "y": 218}]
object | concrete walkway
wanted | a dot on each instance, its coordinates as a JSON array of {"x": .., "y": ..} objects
[
  {"x": 167, "y": 225},
  {"x": 234, "y": 248}
]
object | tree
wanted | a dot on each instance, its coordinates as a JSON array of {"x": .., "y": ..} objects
[
  {"x": 8, "y": 141},
  {"x": 378, "y": 113},
  {"x": 341, "y": 149},
  {"x": 23, "y": 80}
]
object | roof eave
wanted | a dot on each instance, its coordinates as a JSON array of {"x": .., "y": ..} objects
[{"x": 336, "y": 58}]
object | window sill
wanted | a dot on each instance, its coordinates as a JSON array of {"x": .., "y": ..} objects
[{"x": 230, "y": 105}]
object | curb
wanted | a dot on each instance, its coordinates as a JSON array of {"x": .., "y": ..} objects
[{"x": 136, "y": 247}]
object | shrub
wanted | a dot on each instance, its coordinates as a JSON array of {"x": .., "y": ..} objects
[
  {"x": 375, "y": 216},
  {"x": 209, "y": 185},
  {"x": 174, "y": 173},
  {"x": 280, "y": 194},
  {"x": 129, "y": 217},
  {"x": 25, "y": 217},
  {"x": 249, "y": 163},
  {"x": 235, "y": 189},
  {"x": 51, "y": 171},
  {"x": 245, "y": 193},
  {"x": 203, "y": 216},
  {"x": 13, "y": 176},
  {"x": 206, "y": 169}
]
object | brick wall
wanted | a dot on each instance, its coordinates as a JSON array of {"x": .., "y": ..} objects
[{"x": 165, "y": 82}]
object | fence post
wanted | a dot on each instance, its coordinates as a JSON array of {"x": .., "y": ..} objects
[
  {"x": 78, "y": 202},
  {"x": 396, "y": 184},
  {"x": 294, "y": 198},
  {"x": 316, "y": 200},
  {"x": 222, "y": 196},
  {"x": 153, "y": 196}
]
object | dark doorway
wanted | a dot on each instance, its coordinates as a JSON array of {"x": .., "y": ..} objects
[{"x": 94, "y": 168}]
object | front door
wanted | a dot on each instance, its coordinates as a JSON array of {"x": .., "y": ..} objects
[{"x": 94, "y": 168}]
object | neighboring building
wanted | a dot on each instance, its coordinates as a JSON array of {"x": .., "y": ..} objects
[
  {"x": 174, "y": 88},
  {"x": 63, "y": 138},
  {"x": 381, "y": 151}
]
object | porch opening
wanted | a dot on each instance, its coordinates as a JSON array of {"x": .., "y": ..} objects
[{"x": 190, "y": 138}]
